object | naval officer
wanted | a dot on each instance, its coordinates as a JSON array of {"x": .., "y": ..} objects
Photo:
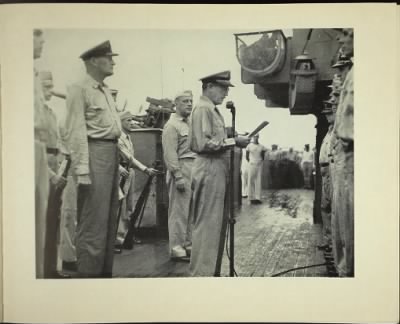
[
  {"x": 179, "y": 161},
  {"x": 210, "y": 173},
  {"x": 92, "y": 131}
]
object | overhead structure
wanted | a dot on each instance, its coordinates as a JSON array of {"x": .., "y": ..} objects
[{"x": 289, "y": 72}]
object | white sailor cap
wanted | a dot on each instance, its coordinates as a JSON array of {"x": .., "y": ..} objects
[{"x": 185, "y": 93}]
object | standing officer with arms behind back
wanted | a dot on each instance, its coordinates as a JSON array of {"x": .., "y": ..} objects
[
  {"x": 92, "y": 131},
  {"x": 179, "y": 161},
  {"x": 208, "y": 138},
  {"x": 255, "y": 153}
]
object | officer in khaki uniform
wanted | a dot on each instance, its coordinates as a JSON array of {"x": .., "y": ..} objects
[
  {"x": 210, "y": 175},
  {"x": 324, "y": 160},
  {"x": 127, "y": 164},
  {"x": 92, "y": 129},
  {"x": 179, "y": 161},
  {"x": 57, "y": 182},
  {"x": 343, "y": 219},
  {"x": 41, "y": 165}
]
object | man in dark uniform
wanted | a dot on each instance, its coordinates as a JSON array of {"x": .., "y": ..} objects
[
  {"x": 273, "y": 158},
  {"x": 210, "y": 173},
  {"x": 92, "y": 131}
]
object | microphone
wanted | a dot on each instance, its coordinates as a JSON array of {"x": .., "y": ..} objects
[{"x": 230, "y": 105}]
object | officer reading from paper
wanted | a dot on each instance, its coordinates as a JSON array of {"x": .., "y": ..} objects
[
  {"x": 208, "y": 138},
  {"x": 92, "y": 131}
]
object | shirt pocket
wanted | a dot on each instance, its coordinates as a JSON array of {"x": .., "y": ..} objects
[
  {"x": 98, "y": 116},
  {"x": 92, "y": 112},
  {"x": 183, "y": 132}
]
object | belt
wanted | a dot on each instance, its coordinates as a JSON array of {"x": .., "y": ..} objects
[
  {"x": 212, "y": 155},
  {"x": 325, "y": 164},
  {"x": 51, "y": 150},
  {"x": 113, "y": 140}
]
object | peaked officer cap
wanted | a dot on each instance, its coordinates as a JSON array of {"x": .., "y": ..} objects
[
  {"x": 222, "y": 78},
  {"x": 103, "y": 49}
]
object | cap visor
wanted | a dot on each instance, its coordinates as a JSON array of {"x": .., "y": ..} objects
[{"x": 224, "y": 83}]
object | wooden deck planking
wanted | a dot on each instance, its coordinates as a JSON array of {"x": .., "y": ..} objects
[{"x": 268, "y": 240}]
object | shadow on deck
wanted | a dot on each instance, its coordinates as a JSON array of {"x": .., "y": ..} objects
[{"x": 270, "y": 238}]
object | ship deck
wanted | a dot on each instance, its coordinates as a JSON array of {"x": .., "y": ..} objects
[{"x": 270, "y": 238}]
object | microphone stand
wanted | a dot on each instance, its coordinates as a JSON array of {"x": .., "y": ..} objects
[{"x": 232, "y": 220}]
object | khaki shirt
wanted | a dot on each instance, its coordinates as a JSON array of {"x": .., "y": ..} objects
[
  {"x": 40, "y": 116},
  {"x": 207, "y": 131},
  {"x": 344, "y": 115},
  {"x": 125, "y": 147},
  {"x": 52, "y": 128},
  {"x": 176, "y": 144},
  {"x": 91, "y": 112},
  {"x": 126, "y": 152},
  {"x": 325, "y": 151}
]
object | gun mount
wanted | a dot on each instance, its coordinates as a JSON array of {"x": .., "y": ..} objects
[{"x": 289, "y": 72}]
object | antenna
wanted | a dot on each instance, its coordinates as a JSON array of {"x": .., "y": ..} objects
[
  {"x": 161, "y": 77},
  {"x": 183, "y": 78},
  {"x": 183, "y": 72}
]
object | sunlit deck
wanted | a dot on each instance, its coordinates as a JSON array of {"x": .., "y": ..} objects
[{"x": 269, "y": 238}]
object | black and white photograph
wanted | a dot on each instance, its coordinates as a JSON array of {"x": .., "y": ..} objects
[
  {"x": 194, "y": 153},
  {"x": 199, "y": 163}
]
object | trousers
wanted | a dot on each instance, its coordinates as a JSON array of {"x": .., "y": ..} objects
[
  {"x": 326, "y": 205},
  {"x": 245, "y": 181},
  {"x": 126, "y": 207},
  {"x": 209, "y": 214},
  {"x": 307, "y": 172},
  {"x": 97, "y": 209},
  {"x": 67, "y": 251},
  {"x": 254, "y": 187},
  {"x": 343, "y": 212},
  {"x": 179, "y": 223},
  {"x": 41, "y": 201}
]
